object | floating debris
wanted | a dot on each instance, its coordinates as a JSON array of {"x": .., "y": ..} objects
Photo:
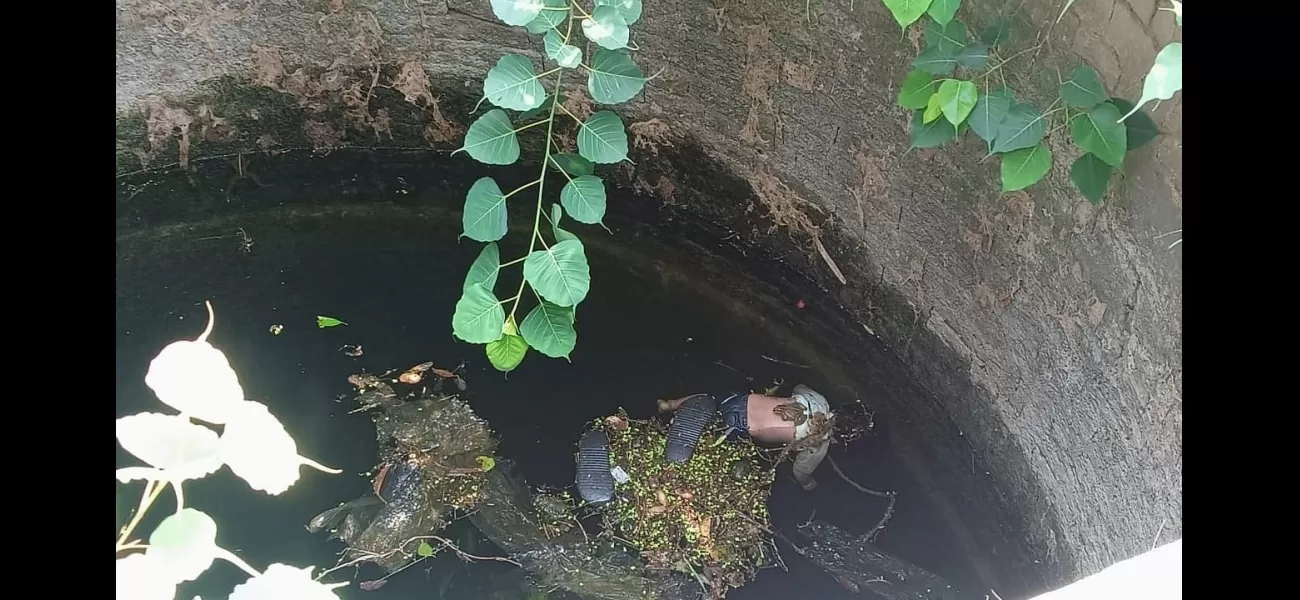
[{"x": 276, "y": 329}]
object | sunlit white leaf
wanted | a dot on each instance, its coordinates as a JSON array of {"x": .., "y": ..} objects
[
  {"x": 138, "y": 578},
  {"x": 282, "y": 581},
  {"x": 184, "y": 545},
  {"x": 260, "y": 451},
  {"x": 176, "y": 447},
  {"x": 195, "y": 378}
]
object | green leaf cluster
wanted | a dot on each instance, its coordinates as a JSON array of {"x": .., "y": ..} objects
[
  {"x": 555, "y": 272},
  {"x": 951, "y": 89}
]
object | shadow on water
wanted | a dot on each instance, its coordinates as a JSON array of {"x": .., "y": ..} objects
[{"x": 394, "y": 273}]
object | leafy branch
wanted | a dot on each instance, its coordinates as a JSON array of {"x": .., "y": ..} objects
[
  {"x": 556, "y": 272},
  {"x": 1106, "y": 128}
]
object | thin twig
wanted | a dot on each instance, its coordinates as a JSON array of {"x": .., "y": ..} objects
[
  {"x": 817, "y": 243},
  {"x": 782, "y": 362},
  {"x": 733, "y": 369},
  {"x": 889, "y": 510},
  {"x": 374, "y": 556},
  {"x": 770, "y": 531}
]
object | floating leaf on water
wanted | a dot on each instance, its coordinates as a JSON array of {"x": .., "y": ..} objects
[
  {"x": 277, "y": 329},
  {"x": 424, "y": 550},
  {"x": 1025, "y": 167},
  {"x": 323, "y": 322},
  {"x": 487, "y": 463}
]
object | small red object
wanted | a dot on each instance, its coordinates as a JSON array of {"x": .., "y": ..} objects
[{"x": 800, "y": 304}]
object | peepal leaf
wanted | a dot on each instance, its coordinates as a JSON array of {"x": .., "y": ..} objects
[
  {"x": 998, "y": 32},
  {"x": 957, "y": 99},
  {"x": 549, "y": 329},
  {"x": 630, "y": 10},
  {"x": 1090, "y": 174},
  {"x": 606, "y": 27},
  {"x": 507, "y": 353},
  {"x": 175, "y": 447},
  {"x": 559, "y": 273},
  {"x": 602, "y": 139},
  {"x": 1099, "y": 131},
  {"x": 1164, "y": 78},
  {"x": 322, "y": 322},
  {"x": 479, "y": 317},
  {"x": 573, "y": 164},
  {"x": 563, "y": 54},
  {"x": 917, "y": 88},
  {"x": 990, "y": 110},
  {"x": 974, "y": 56},
  {"x": 1141, "y": 128},
  {"x": 484, "y": 270},
  {"x": 184, "y": 545},
  {"x": 1083, "y": 89},
  {"x": 906, "y": 12},
  {"x": 513, "y": 84},
  {"x": 491, "y": 139},
  {"x": 951, "y": 37},
  {"x": 612, "y": 77},
  {"x": 516, "y": 12},
  {"x": 195, "y": 378},
  {"x": 1025, "y": 167},
  {"x": 1023, "y": 127},
  {"x": 260, "y": 451},
  {"x": 283, "y": 581},
  {"x": 424, "y": 550},
  {"x": 936, "y": 60},
  {"x": 930, "y": 135},
  {"x": 549, "y": 18},
  {"x": 942, "y": 11},
  {"x": 557, "y": 215},
  {"x": 484, "y": 217},
  {"x": 933, "y": 109},
  {"x": 584, "y": 198}
]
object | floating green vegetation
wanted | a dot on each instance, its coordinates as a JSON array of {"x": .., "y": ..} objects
[{"x": 706, "y": 517}]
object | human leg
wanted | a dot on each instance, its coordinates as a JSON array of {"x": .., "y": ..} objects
[{"x": 806, "y": 461}]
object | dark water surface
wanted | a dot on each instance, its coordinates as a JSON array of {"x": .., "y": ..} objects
[{"x": 394, "y": 276}]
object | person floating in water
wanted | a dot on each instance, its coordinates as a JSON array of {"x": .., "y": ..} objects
[{"x": 803, "y": 421}]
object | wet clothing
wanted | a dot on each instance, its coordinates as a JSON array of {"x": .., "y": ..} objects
[{"x": 734, "y": 409}]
